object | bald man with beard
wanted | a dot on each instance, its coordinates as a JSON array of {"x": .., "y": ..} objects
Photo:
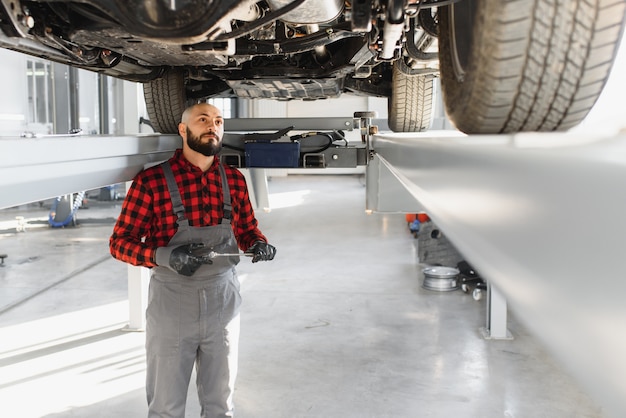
[{"x": 171, "y": 210}]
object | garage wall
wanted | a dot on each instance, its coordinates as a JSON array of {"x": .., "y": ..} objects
[
  {"x": 125, "y": 99},
  {"x": 14, "y": 98}
]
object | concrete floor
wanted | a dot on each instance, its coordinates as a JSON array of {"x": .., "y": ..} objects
[{"x": 337, "y": 326}]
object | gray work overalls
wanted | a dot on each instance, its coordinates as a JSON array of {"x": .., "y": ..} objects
[{"x": 194, "y": 320}]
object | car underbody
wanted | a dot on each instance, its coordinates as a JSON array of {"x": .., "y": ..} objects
[{"x": 190, "y": 50}]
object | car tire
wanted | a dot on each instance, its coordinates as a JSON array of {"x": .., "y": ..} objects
[
  {"x": 526, "y": 66},
  {"x": 411, "y": 103},
  {"x": 165, "y": 101}
]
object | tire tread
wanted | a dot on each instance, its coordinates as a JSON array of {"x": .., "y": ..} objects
[
  {"x": 565, "y": 49},
  {"x": 411, "y": 103},
  {"x": 165, "y": 101}
]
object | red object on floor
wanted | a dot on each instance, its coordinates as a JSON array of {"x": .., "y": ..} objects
[{"x": 422, "y": 217}]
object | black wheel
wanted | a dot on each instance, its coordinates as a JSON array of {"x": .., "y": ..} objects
[
  {"x": 411, "y": 102},
  {"x": 511, "y": 66},
  {"x": 165, "y": 101}
]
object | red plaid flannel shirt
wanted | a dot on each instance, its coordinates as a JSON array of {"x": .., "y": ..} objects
[{"x": 147, "y": 220}]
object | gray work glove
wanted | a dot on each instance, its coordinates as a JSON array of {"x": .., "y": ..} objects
[
  {"x": 261, "y": 251},
  {"x": 181, "y": 259}
]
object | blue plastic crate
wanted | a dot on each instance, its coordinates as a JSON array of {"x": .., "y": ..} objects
[{"x": 272, "y": 154}]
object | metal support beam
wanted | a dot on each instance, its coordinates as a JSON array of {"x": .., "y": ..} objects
[
  {"x": 33, "y": 169},
  {"x": 299, "y": 124},
  {"x": 386, "y": 192},
  {"x": 258, "y": 188},
  {"x": 541, "y": 217}
]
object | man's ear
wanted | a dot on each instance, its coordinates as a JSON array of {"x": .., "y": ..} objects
[{"x": 182, "y": 129}]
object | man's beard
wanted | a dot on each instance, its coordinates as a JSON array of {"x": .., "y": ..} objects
[{"x": 208, "y": 149}]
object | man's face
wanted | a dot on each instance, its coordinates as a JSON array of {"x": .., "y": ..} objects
[{"x": 205, "y": 129}]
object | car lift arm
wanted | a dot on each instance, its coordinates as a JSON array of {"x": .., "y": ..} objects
[
  {"x": 35, "y": 168},
  {"x": 38, "y": 168},
  {"x": 541, "y": 216}
]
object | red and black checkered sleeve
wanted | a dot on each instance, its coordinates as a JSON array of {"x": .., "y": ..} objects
[
  {"x": 245, "y": 224},
  {"x": 133, "y": 225}
]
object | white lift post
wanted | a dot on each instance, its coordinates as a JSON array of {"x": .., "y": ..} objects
[{"x": 497, "y": 315}]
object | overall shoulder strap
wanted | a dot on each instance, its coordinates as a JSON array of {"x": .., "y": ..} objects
[
  {"x": 228, "y": 207},
  {"x": 177, "y": 201}
]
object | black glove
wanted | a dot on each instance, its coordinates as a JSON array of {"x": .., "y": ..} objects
[
  {"x": 181, "y": 259},
  {"x": 261, "y": 251}
]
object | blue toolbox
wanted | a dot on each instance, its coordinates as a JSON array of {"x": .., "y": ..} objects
[{"x": 264, "y": 153}]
